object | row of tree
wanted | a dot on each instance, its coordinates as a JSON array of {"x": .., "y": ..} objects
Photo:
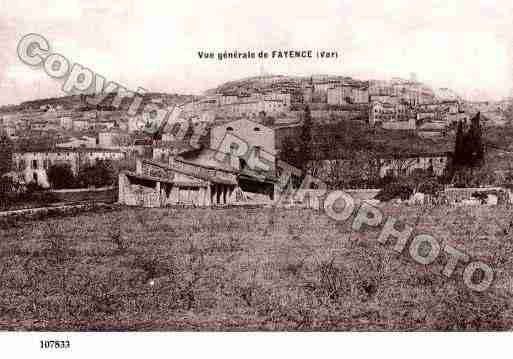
[{"x": 102, "y": 173}]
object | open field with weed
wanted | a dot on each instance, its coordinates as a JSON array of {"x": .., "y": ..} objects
[{"x": 248, "y": 269}]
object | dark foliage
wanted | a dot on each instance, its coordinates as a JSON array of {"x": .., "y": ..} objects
[
  {"x": 61, "y": 176},
  {"x": 102, "y": 173},
  {"x": 469, "y": 150},
  {"x": 6, "y": 148},
  {"x": 395, "y": 190}
]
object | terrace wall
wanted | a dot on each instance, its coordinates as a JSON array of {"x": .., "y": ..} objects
[{"x": 314, "y": 199}]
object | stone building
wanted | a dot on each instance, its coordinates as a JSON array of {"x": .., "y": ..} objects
[
  {"x": 31, "y": 164},
  {"x": 156, "y": 184},
  {"x": 253, "y": 106},
  {"x": 347, "y": 94},
  {"x": 407, "y": 163},
  {"x": 219, "y": 175}
]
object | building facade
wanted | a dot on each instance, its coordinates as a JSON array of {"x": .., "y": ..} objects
[
  {"x": 406, "y": 164},
  {"x": 32, "y": 165}
]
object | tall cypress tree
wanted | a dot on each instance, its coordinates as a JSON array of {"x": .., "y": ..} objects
[
  {"x": 459, "y": 146},
  {"x": 468, "y": 149},
  {"x": 306, "y": 138},
  {"x": 6, "y": 151},
  {"x": 475, "y": 143}
]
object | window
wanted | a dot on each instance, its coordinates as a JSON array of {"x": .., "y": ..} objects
[
  {"x": 34, "y": 176},
  {"x": 229, "y": 128},
  {"x": 34, "y": 164},
  {"x": 256, "y": 129}
]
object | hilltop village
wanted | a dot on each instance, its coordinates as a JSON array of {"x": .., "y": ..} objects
[{"x": 397, "y": 125}]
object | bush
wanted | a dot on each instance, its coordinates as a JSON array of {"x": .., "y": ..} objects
[
  {"x": 102, "y": 173},
  {"x": 61, "y": 176},
  {"x": 33, "y": 187},
  {"x": 431, "y": 187},
  {"x": 395, "y": 190}
]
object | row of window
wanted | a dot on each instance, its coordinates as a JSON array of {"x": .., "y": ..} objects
[
  {"x": 431, "y": 160},
  {"x": 34, "y": 164},
  {"x": 230, "y": 129}
]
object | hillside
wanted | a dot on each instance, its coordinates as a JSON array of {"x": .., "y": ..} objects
[
  {"x": 270, "y": 82},
  {"x": 78, "y": 102},
  {"x": 341, "y": 140}
]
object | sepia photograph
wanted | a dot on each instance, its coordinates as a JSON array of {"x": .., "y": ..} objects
[{"x": 247, "y": 168}]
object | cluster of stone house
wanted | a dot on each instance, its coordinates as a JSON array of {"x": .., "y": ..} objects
[
  {"x": 223, "y": 174},
  {"x": 235, "y": 105},
  {"x": 156, "y": 184},
  {"x": 239, "y": 163},
  {"x": 220, "y": 174},
  {"x": 56, "y": 120},
  {"x": 345, "y": 94}
]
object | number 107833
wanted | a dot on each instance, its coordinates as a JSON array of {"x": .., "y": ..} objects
[{"x": 54, "y": 344}]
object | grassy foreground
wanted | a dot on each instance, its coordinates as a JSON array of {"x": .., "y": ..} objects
[{"x": 248, "y": 269}]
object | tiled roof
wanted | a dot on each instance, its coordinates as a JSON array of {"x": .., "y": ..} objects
[
  {"x": 46, "y": 149},
  {"x": 158, "y": 179},
  {"x": 203, "y": 173}
]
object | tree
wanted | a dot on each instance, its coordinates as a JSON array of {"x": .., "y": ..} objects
[
  {"x": 100, "y": 174},
  {"x": 61, "y": 176},
  {"x": 395, "y": 190},
  {"x": 305, "y": 139},
  {"x": 468, "y": 152},
  {"x": 356, "y": 170},
  {"x": 475, "y": 143},
  {"x": 459, "y": 146},
  {"x": 289, "y": 151},
  {"x": 6, "y": 149},
  {"x": 268, "y": 121}
]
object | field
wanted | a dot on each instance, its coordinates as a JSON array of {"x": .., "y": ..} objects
[{"x": 248, "y": 269}]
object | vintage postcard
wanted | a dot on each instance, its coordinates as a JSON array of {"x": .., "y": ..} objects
[{"x": 239, "y": 166}]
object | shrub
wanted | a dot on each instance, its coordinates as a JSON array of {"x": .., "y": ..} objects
[
  {"x": 33, "y": 187},
  {"x": 395, "y": 190},
  {"x": 102, "y": 173},
  {"x": 431, "y": 187},
  {"x": 61, "y": 176}
]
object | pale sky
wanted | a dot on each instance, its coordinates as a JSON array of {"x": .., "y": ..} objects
[{"x": 464, "y": 45}]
